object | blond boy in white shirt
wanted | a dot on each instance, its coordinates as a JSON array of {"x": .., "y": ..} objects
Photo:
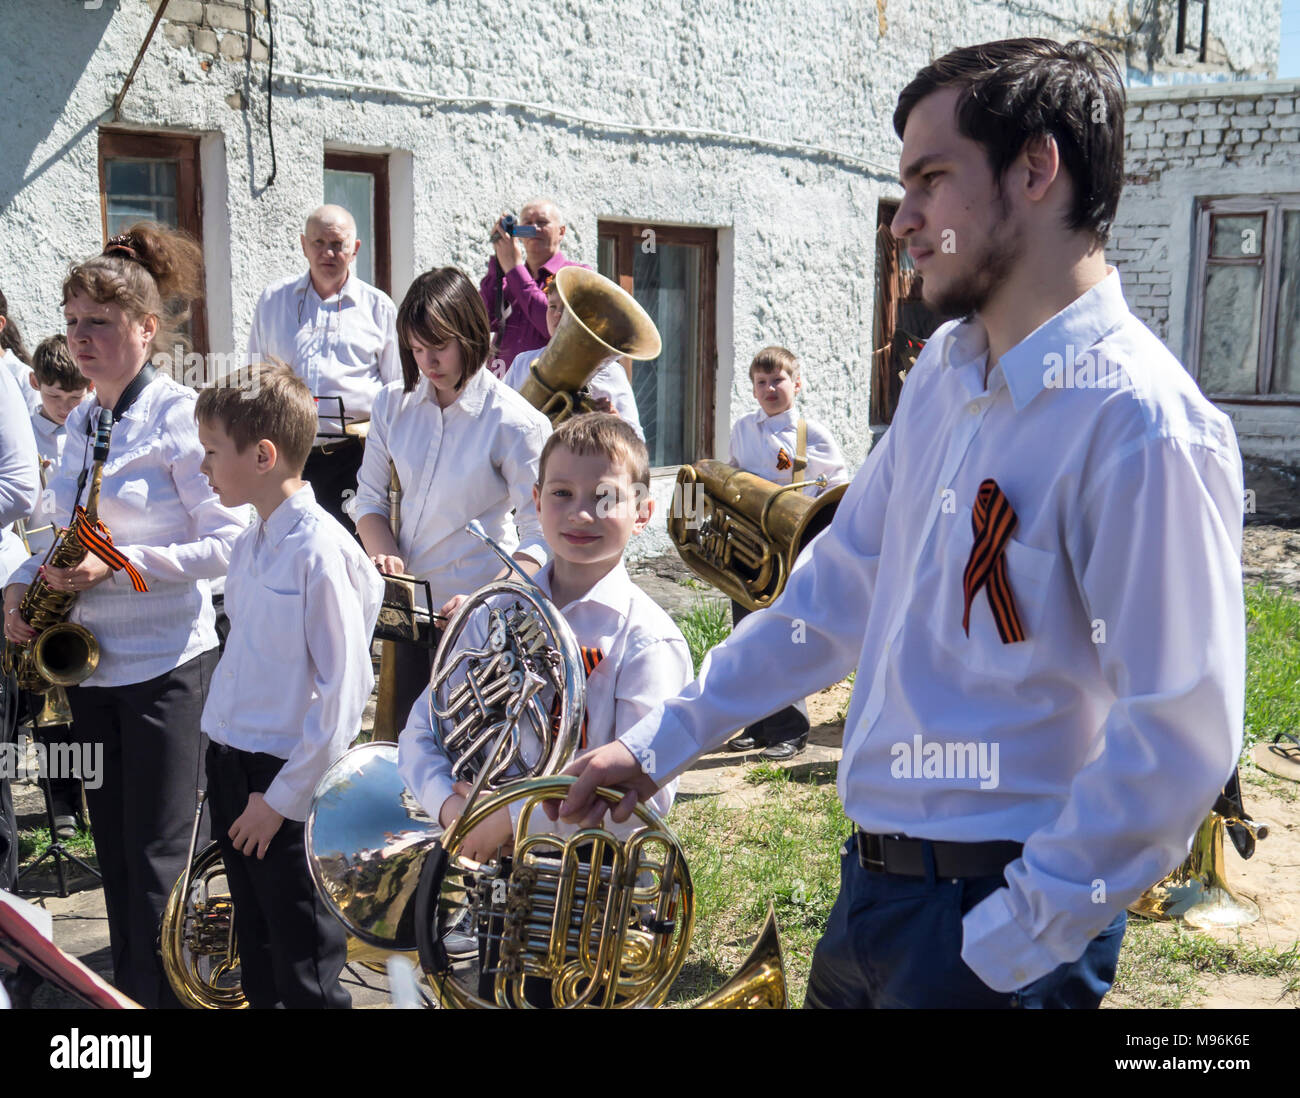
[
  {"x": 288, "y": 694},
  {"x": 776, "y": 443},
  {"x": 592, "y": 496}
]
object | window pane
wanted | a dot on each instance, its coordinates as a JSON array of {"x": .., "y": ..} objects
[
  {"x": 607, "y": 257},
  {"x": 667, "y": 284},
  {"x": 1286, "y": 357},
  {"x": 140, "y": 190},
  {"x": 1230, "y": 329},
  {"x": 1238, "y": 237},
  {"x": 355, "y": 192}
]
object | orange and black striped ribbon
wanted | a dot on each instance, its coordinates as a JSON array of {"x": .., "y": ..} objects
[
  {"x": 98, "y": 541},
  {"x": 591, "y": 658},
  {"x": 992, "y": 519},
  {"x": 783, "y": 459}
]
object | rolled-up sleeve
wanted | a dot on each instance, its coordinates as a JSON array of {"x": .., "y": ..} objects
[
  {"x": 521, "y": 453},
  {"x": 373, "y": 476},
  {"x": 1158, "y": 566}
]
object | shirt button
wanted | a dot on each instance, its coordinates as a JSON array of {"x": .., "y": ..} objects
[
  {"x": 974, "y": 409},
  {"x": 221, "y": 724}
]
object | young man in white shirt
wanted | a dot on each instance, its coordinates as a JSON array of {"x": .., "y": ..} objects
[
  {"x": 1036, "y": 573},
  {"x": 778, "y": 444},
  {"x": 339, "y": 334},
  {"x": 289, "y": 692},
  {"x": 593, "y": 496}
]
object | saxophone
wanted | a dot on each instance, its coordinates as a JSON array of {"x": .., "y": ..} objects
[{"x": 63, "y": 653}]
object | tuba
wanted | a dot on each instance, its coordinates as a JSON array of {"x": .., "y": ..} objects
[
  {"x": 1196, "y": 892},
  {"x": 601, "y": 320},
  {"x": 571, "y": 918},
  {"x": 742, "y": 533},
  {"x": 63, "y": 653}
]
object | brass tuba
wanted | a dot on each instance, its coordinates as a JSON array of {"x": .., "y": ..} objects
[
  {"x": 742, "y": 533},
  {"x": 63, "y": 653},
  {"x": 1196, "y": 892},
  {"x": 571, "y": 918},
  {"x": 601, "y": 320}
]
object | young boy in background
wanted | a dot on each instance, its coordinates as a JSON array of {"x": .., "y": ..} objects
[{"x": 778, "y": 444}]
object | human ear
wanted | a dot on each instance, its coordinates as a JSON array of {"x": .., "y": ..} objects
[
  {"x": 645, "y": 511},
  {"x": 1041, "y": 159},
  {"x": 537, "y": 497},
  {"x": 267, "y": 455}
]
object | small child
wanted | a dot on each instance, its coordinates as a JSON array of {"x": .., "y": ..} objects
[
  {"x": 778, "y": 444},
  {"x": 592, "y": 496},
  {"x": 60, "y": 388},
  {"x": 288, "y": 694},
  {"x": 610, "y": 389}
]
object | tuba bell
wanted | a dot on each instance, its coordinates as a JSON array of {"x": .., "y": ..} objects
[
  {"x": 571, "y": 918},
  {"x": 1196, "y": 892},
  {"x": 601, "y": 320},
  {"x": 742, "y": 533}
]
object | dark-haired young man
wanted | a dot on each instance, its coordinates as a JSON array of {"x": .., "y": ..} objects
[{"x": 1036, "y": 574}]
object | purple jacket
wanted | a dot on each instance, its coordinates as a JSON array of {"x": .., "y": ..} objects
[{"x": 525, "y": 327}]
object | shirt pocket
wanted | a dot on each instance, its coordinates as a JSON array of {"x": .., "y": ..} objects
[
  {"x": 275, "y": 626},
  {"x": 134, "y": 494},
  {"x": 983, "y": 652}
]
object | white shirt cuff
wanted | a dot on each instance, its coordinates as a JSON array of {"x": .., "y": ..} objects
[{"x": 998, "y": 950}]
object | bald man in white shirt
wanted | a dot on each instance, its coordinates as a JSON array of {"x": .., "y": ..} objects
[
  {"x": 1036, "y": 574},
  {"x": 340, "y": 336}
]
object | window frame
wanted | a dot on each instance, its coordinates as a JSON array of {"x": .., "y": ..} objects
[
  {"x": 184, "y": 149},
  {"x": 1272, "y": 207},
  {"x": 375, "y": 164},
  {"x": 627, "y": 237}
]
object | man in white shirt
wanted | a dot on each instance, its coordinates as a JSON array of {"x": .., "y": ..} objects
[
  {"x": 340, "y": 336},
  {"x": 1036, "y": 574}
]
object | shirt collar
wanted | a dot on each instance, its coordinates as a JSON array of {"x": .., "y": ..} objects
[
  {"x": 552, "y": 265},
  {"x": 288, "y": 514},
  {"x": 348, "y": 291},
  {"x": 782, "y": 420},
  {"x": 473, "y": 393},
  {"x": 1080, "y": 325},
  {"x": 612, "y": 591}
]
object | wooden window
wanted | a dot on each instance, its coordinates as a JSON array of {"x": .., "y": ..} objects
[
  {"x": 902, "y": 322},
  {"x": 672, "y": 273},
  {"x": 1245, "y": 324},
  {"x": 153, "y": 177},
  {"x": 359, "y": 183}
]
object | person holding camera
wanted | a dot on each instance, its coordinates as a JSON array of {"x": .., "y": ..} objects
[{"x": 525, "y": 254}]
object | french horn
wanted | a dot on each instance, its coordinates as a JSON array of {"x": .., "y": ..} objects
[{"x": 571, "y": 918}]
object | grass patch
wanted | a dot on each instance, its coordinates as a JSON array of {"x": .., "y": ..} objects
[
  {"x": 767, "y": 774},
  {"x": 784, "y": 850},
  {"x": 1272, "y": 664},
  {"x": 705, "y": 624},
  {"x": 33, "y": 841}
]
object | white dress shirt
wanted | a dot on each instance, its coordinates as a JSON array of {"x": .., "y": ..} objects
[
  {"x": 164, "y": 517},
  {"x": 758, "y": 441},
  {"x": 645, "y": 660},
  {"x": 23, "y": 374},
  {"x": 1118, "y": 718},
  {"x": 303, "y": 599},
  {"x": 475, "y": 459},
  {"x": 345, "y": 346},
  {"x": 19, "y": 480},
  {"x": 609, "y": 381},
  {"x": 50, "y": 438}
]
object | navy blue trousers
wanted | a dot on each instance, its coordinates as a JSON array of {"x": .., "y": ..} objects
[{"x": 895, "y": 942}]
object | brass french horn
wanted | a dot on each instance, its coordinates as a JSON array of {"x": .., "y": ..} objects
[
  {"x": 601, "y": 321},
  {"x": 740, "y": 532}
]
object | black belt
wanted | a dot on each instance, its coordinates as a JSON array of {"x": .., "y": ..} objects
[{"x": 905, "y": 857}]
